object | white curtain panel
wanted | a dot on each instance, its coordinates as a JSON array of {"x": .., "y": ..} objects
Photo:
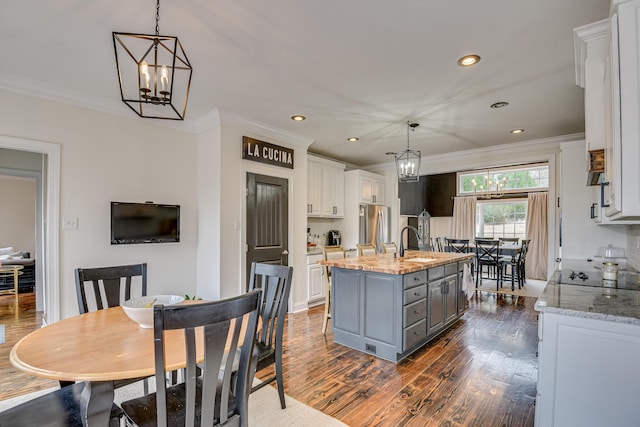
[
  {"x": 536, "y": 262},
  {"x": 464, "y": 218}
]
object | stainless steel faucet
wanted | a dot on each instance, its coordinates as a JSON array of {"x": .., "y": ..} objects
[{"x": 402, "y": 239}]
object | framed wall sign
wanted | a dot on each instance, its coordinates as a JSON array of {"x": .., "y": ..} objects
[{"x": 263, "y": 152}]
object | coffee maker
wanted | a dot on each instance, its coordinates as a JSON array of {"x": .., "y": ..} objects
[{"x": 333, "y": 238}]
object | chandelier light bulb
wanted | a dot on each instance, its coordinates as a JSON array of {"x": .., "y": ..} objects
[{"x": 164, "y": 78}]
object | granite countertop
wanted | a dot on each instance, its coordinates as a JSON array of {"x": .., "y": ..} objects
[
  {"x": 602, "y": 303},
  {"x": 386, "y": 263}
]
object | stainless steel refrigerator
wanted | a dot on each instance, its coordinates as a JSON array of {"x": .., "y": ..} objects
[{"x": 375, "y": 225}]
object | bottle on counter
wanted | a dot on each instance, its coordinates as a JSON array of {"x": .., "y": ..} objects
[{"x": 610, "y": 271}]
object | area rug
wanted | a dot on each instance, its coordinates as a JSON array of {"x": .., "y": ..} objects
[
  {"x": 533, "y": 288},
  {"x": 264, "y": 407}
]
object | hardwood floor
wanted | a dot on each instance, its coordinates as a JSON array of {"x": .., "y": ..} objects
[
  {"x": 18, "y": 321},
  {"x": 482, "y": 372}
]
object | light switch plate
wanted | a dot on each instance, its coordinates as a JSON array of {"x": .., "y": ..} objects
[{"x": 69, "y": 223}]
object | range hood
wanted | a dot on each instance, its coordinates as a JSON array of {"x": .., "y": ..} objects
[{"x": 596, "y": 166}]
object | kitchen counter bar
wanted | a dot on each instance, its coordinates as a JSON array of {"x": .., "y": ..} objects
[
  {"x": 602, "y": 303},
  {"x": 386, "y": 263}
]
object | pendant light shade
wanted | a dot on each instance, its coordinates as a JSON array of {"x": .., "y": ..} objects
[
  {"x": 154, "y": 73},
  {"x": 408, "y": 161}
]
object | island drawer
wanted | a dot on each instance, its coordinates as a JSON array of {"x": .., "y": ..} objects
[
  {"x": 415, "y": 278},
  {"x": 414, "y": 312},
  {"x": 415, "y": 293},
  {"x": 414, "y": 334}
]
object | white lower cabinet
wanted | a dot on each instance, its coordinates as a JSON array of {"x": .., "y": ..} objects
[
  {"x": 315, "y": 279},
  {"x": 588, "y": 372}
]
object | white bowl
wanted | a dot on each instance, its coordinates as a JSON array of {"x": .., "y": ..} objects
[{"x": 136, "y": 310}]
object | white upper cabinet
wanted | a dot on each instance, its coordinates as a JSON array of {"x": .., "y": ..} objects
[
  {"x": 370, "y": 188},
  {"x": 622, "y": 126},
  {"x": 325, "y": 188},
  {"x": 607, "y": 57}
]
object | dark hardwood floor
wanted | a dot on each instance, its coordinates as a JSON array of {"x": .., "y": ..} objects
[{"x": 482, "y": 372}]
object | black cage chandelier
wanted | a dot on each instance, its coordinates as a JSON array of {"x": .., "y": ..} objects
[
  {"x": 408, "y": 161},
  {"x": 154, "y": 73}
]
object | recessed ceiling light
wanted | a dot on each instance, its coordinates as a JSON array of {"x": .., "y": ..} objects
[
  {"x": 499, "y": 104},
  {"x": 353, "y": 139},
  {"x": 298, "y": 118},
  {"x": 468, "y": 60},
  {"x": 517, "y": 131}
]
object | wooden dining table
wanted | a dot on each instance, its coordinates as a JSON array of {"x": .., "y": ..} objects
[{"x": 97, "y": 347}]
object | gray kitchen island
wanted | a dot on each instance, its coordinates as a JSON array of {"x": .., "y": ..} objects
[{"x": 390, "y": 307}]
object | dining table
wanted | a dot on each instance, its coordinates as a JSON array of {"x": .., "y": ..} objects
[
  {"x": 508, "y": 250},
  {"x": 97, "y": 347}
]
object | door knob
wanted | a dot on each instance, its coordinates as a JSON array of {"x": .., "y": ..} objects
[{"x": 285, "y": 252}]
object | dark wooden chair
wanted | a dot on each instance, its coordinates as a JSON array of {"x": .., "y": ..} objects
[
  {"x": 517, "y": 264},
  {"x": 203, "y": 399},
  {"x": 275, "y": 282},
  {"x": 488, "y": 254},
  {"x": 510, "y": 240},
  {"x": 57, "y": 408},
  {"x": 102, "y": 286},
  {"x": 110, "y": 281},
  {"x": 458, "y": 245}
]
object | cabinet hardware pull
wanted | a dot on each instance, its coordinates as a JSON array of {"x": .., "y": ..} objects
[
  {"x": 593, "y": 210},
  {"x": 602, "y": 185}
]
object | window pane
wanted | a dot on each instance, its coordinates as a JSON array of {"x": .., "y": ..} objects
[
  {"x": 516, "y": 179},
  {"x": 501, "y": 219}
]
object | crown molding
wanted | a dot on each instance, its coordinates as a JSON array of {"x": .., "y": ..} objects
[{"x": 582, "y": 36}]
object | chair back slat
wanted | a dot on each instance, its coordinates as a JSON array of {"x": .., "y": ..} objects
[
  {"x": 107, "y": 283},
  {"x": 488, "y": 250}
]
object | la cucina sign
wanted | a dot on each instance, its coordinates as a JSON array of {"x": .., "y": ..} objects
[{"x": 263, "y": 152}]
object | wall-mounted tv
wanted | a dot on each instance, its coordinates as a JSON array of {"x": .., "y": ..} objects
[{"x": 144, "y": 223}]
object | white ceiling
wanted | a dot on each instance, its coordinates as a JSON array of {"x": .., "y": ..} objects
[{"x": 352, "y": 67}]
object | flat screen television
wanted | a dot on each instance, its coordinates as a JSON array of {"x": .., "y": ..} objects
[{"x": 144, "y": 223}]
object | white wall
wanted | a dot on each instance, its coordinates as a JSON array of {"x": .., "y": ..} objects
[
  {"x": 110, "y": 158},
  {"x": 18, "y": 213},
  {"x": 581, "y": 236}
]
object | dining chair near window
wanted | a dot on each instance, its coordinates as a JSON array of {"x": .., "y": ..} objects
[
  {"x": 524, "y": 250},
  {"x": 488, "y": 255},
  {"x": 275, "y": 282},
  {"x": 510, "y": 240},
  {"x": 366, "y": 249},
  {"x": 329, "y": 253},
  {"x": 511, "y": 267},
  {"x": 458, "y": 245},
  {"x": 203, "y": 399}
]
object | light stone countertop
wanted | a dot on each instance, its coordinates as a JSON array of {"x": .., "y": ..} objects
[
  {"x": 601, "y": 303},
  {"x": 386, "y": 263}
]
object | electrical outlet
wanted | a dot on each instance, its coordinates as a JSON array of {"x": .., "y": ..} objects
[{"x": 369, "y": 347}]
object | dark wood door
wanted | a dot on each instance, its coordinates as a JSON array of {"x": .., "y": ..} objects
[{"x": 267, "y": 220}]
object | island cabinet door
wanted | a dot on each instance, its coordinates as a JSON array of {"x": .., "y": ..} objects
[
  {"x": 345, "y": 303},
  {"x": 380, "y": 302},
  {"x": 436, "y": 307},
  {"x": 451, "y": 299}
]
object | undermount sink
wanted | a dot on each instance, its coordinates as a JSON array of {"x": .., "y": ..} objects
[{"x": 421, "y": 259}]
